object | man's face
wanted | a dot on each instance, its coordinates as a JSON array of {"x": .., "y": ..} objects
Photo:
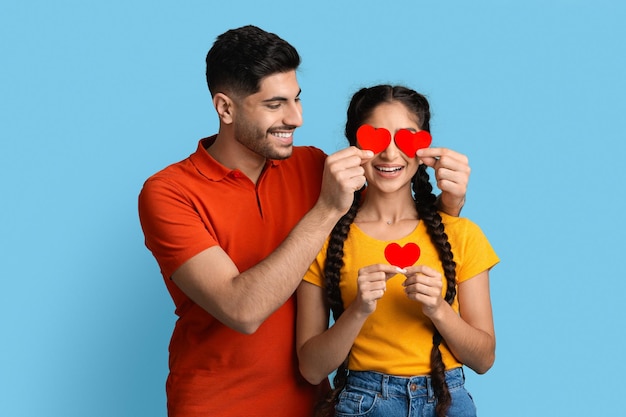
[{"x": 265, "y": 121}]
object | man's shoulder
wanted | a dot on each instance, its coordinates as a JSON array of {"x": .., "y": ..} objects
[
  {"x": 174, "y": 170},
  {"x": 187, "y": 166}
]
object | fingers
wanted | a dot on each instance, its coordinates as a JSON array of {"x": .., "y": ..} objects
[
  {"x": 389, "y": 271},
  {"x": 424, "y": 285},
  {"x": 372, "y": 284},
  {"x": 445, "y": 158},
  {"x": 349, "y": 157},
  {"x": 374, "y": 277},
  {"x": 343, "y": 175},
  {"x": 421, "y": 273},
  {"x": 370, "y": 288},
  {"x": 452, "y": 182},
  {"x": 452, "y": 172},
  {"x": 433, "y": 155}
]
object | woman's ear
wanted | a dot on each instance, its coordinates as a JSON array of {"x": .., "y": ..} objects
[{"x": 224, "y": 107}]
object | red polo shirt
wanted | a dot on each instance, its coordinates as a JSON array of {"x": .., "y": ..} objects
[{"x": 193, "y": 205}]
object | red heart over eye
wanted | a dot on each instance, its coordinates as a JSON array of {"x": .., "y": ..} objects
[
  {"x": 402, "y": 256},
  {"x": 410, "y": 142},
  {"x": 370, "y": 138}
]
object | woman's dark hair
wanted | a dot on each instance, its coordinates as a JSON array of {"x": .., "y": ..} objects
[
  {"x": 240, "y": 58},
  {"x": 361, "y": 107}
]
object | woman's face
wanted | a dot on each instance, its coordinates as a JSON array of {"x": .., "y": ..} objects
[{"x": 391, "y": 169}]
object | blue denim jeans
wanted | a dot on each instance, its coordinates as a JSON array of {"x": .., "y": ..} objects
[{"x": 373, "y": 394}]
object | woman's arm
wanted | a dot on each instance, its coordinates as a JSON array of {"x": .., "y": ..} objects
[
  {"x": 321, "y": 349},
  {"x": 470, "y": 335}
]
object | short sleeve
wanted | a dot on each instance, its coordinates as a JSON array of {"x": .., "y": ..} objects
[
  {"x": 472, "y": 251},
  {"x": 315, "y": 274},
  {"x": 173, "y": 229}
]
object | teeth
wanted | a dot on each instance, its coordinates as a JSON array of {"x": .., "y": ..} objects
[
  {"x": 283, "y": 134},
  {"x": 389, "y": 169}
]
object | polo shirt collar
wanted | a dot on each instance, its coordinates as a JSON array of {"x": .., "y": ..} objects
[{"x": 212, "y": 169}]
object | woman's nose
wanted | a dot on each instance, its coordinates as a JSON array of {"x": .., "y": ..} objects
[{"x": 391, "y": 151}]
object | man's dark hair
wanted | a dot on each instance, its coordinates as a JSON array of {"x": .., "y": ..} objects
[{"x": 240, "y": 58}]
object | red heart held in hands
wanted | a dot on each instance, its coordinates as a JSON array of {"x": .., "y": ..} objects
[
  {"x": 400, "y": 256},
  {"x": 370, "y": 138},
  {"x": 409, "y": 142}
]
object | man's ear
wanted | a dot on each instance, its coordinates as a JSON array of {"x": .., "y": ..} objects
[{"x": 224, "y": 107}]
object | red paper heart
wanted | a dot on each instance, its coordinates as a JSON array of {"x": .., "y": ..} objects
[
  {"x": 409, "y": 142},
  {"x": 370, "y": 138},
  {"x": 402, "y": 256}
]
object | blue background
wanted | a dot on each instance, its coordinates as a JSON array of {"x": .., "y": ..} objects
[{"x": 97, "y": 96}]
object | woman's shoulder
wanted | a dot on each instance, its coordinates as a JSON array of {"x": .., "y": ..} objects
[
  {"x": 458, "y": 224},
  {"x": 453, "y": 220}
]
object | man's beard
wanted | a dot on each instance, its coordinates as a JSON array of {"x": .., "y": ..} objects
[{"x": 257, "y": 141}]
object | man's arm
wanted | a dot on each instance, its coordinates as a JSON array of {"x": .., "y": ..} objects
[
  {"x": 243, "y": 300},
  {"x": 452, "y": 173}
]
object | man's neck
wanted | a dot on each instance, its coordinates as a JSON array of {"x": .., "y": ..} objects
[{"x": 233, "y": 155}]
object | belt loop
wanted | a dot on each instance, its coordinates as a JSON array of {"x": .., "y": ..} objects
[
  {"x": 430, "y": 390},
  {"x": 385, "y": 386}
]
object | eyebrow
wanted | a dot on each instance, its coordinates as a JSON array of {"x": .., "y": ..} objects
[
  {"x": 280, "y": 98},
  {"x": 410, "y": 129}
]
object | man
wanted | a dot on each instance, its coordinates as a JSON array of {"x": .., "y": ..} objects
[{"x": 235, "y": 226}]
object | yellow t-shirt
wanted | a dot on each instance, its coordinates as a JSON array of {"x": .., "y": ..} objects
[{"x": 397, "y": 338}]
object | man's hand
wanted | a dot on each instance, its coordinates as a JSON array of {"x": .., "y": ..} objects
[
  {"x": 343, "y": 175},
  {"x": 452, "y": 173}
]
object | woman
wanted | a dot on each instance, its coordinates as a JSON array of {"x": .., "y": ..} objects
[{"x": 408, "y": 286}]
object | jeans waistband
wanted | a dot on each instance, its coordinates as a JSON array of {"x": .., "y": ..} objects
[{"x": 415, "y": 386}]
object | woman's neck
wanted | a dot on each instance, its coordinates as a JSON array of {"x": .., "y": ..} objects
[
  {"x": 386, "y": 208},
  {"x": 387, "y": 217}
]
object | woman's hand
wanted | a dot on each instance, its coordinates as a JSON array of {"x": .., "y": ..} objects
[
  {"x": 424, "y": 285},
  {"x": 372, "y": 284}
]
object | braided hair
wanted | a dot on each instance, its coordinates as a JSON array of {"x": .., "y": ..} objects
[{"x": 361, "y": 107}]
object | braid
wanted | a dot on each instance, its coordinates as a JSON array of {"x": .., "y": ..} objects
[
  {"x": 425, "y": 204},
  {"x": 332, "y": 268}
]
